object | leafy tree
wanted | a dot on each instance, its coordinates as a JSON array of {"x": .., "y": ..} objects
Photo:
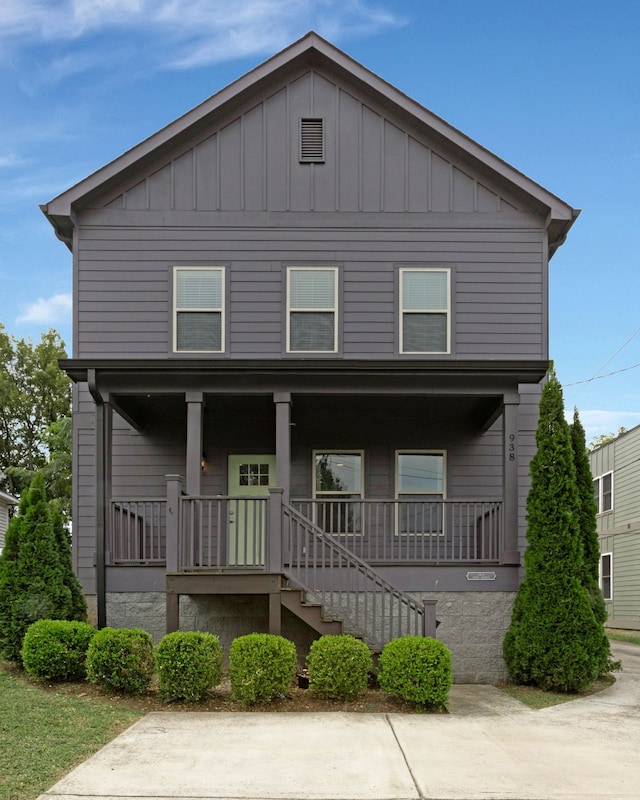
[
  {"x": 35, "y": 396},
  {"x": 34, "y": 576},
  {"x": 587, "y": 510},
  {"x": 555, "y": 640},
  {"x": 605, "y": 438}
]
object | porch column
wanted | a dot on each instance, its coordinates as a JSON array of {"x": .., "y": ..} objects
[
  {"x": 195, "y": 406},
  {"x": 510, "y": 552},
  {"x": 283, "y": 442},
  {"x": 174, "y": 492},
  {"x": 103, "y": 433}
]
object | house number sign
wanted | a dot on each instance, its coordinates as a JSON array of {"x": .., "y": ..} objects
[{"x": 511, "y": 447}]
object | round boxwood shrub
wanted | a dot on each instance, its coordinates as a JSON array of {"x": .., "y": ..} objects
[
  {"x": 121, "y": 659},
  {"x": 339, "y": 667},
  {"x": 56, "y": 649},
  {"x": 416, "y": 669},
  {"x": 188, "y": 664},
  {"x": 261, "y": 666}
]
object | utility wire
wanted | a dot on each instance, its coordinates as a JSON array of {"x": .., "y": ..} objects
[
  {"x": 599, "y": 377},
  {"x": 606, "y": 364}
]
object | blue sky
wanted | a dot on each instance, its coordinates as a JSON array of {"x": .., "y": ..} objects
[{"x": 552, "y": 87}]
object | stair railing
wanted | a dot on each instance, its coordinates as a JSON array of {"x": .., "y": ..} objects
[{"x": 347, "y": 587}]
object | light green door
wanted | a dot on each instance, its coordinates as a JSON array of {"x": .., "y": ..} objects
[{"x": 250, "y": 476}]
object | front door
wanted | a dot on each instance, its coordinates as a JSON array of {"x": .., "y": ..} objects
[{"x": 250, "y": 476}]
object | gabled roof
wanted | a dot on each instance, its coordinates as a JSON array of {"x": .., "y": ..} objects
[{"x": 311, "y": 50}]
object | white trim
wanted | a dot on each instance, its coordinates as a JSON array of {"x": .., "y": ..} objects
[
  {"x": 602, "y": 556},
  {"x": 599, "y": 480},
  {"x": 402, "y": 311},
  {"x": 333, "y": 310},
  {"x": 176, "y": 309}
]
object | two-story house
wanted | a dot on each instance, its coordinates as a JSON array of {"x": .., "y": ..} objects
[
  {"x": 310, "y": 325},
  {"x": 615, "y": 467}
]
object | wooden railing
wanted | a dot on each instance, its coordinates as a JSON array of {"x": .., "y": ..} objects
[
  {"x": 399, "y": 531},
  {"x": 233, "y": 532},
  {"x": 136, "y": 532},
  {"x": 346, "y": 586}
]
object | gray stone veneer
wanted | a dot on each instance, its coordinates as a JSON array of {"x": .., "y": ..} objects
[{"x": 472, "y": 624}]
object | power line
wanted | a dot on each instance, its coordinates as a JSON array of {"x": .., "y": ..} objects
[
  {"x": 606, "y": 364},
  {"x": 599, "y": 377}
]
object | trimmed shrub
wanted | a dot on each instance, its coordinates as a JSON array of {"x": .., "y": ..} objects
[
  {"x": 261, "y": 666},
  {"x": 416, "y": 669},
  {"x": 188, "y": 664},
  {"x": 56, "y": 649},
  {"x": 121, "y": 659},
  {"x": 339, "y": 667}
]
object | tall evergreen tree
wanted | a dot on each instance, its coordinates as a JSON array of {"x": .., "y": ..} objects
[
  {"x": 587, "y": 510},
  {"x": 554, "y": 640},
  {"x": 34, "y": 582}
]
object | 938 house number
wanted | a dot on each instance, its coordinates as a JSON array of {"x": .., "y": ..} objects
[{"x": 511, "y": 447}]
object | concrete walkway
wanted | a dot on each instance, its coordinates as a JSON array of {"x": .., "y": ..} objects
[{"x": 488, "y": 747}]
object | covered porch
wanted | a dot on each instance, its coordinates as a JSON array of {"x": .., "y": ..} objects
[{"x": 198, "y": 533}]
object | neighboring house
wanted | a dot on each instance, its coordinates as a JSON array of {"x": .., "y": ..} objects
[
  {"x": 310, "y": 326},
  {"x": 6, "y": 502},
  {"x": 616, "y": 481}
]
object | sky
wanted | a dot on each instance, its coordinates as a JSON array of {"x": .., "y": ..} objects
[{"x": 550, "y": 86}]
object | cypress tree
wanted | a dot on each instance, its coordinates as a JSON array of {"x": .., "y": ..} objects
[
  {"x": 554, "y": 640},
  {"x": 78, "y": 602},
  {"x": 32, "y": 584}
]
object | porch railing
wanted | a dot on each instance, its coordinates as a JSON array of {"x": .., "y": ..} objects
[
  {"x": 346, "y": 586},
  {"x": 411, "y": 530},
  {"x": 136, "y": 533},
  {"x": 228, "y": 532},
  {"x": 220, "y": 532}
]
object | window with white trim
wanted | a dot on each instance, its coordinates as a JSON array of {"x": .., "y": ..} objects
[
  {"x": 603, "y": 492},
  {"x": 425, "y": 310},
  {"x": 198, "y": 300},
  {"x": 337, "y": 481},
  {"x": 420, "y": 490},
  {"x": 606, "y": 575},
  {"x": 312, "y": 309}
]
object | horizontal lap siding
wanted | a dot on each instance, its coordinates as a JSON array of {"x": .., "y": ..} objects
[{"x": 124, "y": 287}]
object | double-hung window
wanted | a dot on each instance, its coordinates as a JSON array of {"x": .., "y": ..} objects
[
  {"x": 420, "y": 491},
  {"x": 198, "y": 294},
  {"x": 425, "y": 300},
  {"x": 312, "y": 309},
  {"x": 337, "y": 489},
  {"x": 606, "y": 575},
  {"x": 603, "y": 492}
]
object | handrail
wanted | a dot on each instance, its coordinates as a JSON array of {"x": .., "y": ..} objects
[{"x": 345, "y": 585}]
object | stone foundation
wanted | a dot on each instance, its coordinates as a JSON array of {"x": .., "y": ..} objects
[{"x": 472, "y": 624}]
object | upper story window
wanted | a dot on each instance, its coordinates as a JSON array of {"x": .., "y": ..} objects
[
  {"x": 425, "y": 300},
  {"x": 198, "y": 294},
  {"x": 312, "y": 309},
  {"x": 603, "y": 492}
]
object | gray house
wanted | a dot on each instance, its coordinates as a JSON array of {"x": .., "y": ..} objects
[
  {"x": 310, "y": 325},
  {"x": 616, "y": 483}
]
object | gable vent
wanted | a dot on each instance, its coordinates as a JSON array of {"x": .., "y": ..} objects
[{"x": 312, "y": 139}]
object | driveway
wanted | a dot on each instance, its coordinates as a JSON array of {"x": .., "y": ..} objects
[{"x": 489, "y": 747}]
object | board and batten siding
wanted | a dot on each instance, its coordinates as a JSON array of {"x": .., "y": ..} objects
[
  {"x": 247, "y": 159},
  {"x": 124, "y": 286}
]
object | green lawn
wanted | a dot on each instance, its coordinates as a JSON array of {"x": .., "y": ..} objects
[
  {"x": 44, "y": 734},
  {"x": 623, "y": 636}
]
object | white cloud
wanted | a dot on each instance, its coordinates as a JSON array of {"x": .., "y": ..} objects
[
  {"x": 200, "y": 31},
  {"x": 48, "y": 311}
]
